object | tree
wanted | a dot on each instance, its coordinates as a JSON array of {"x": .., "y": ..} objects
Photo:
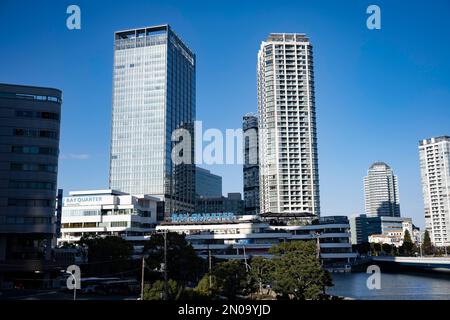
[
  {"x": 362, "y": 248},
  {"x": 156, "y": 290},
  {"x": 297, "y": 272},
  {"x": 387, "y": 248},
  {"x": 427, "y": 246},
  {"x": 230, "y": 279},
  {"x": 183, "y": 264},
  {"x": 408, "y": 244},
  {"x": 106, "y": 248},
  {"x": 206, "y": 289},
  {"x": 376, "y": 248},
  {"x": 107, "y": 255},
  {"x": 260, "y": 272}
]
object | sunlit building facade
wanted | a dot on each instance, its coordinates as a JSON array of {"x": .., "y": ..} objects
[
  {"x": 435, "y": 174},
  {"x": 381, "y": 191},
  {"x": 153, "y": 95},
  {"x": 289, "y": 176}
]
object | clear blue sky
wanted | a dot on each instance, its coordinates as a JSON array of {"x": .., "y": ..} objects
[{"x": 377, "y": 92}]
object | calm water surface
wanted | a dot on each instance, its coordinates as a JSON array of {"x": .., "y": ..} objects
[{"x": 410, "y": 286}]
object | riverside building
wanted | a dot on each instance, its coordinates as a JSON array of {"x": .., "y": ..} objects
[
  {"x": 381, "y": 191},
  {"x": 435, "y": 174},
  {"x": 289, "y": 174},
  {"x": 230, "y": 236}
]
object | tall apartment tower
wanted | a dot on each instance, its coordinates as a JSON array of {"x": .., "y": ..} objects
[
  {"x": 251, "y": 164},
  {"x": 435, "y": 173},
  {"x": 289, "y": 175},
  {"x": 153, "y": 95},
  {"x": 29, "y": 149},
  {"x": 381, "y": 191}
]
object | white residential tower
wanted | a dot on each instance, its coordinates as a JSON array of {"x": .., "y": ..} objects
[{"x": 289, "y": 177}]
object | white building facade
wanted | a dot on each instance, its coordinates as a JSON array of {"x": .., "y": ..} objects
[
  {"x": 289, "y": 177},
  {"x": 381, "y": 191},
  {"x": 107, "y": 212},
  {"x": 229, "y": 236},
  {"x": 435, "y": 175}
]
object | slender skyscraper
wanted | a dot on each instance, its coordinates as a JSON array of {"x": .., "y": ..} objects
[
  {"x": 381, "y": 191},
  {"x": 251, "y": 164},
  {"x": 435, "y": 174},
  {"x": 289, "y": 176},
  {"x": 153, "y": 95}
]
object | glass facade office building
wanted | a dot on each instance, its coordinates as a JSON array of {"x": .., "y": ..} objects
[
  {"x": 153, "y": 95},
  {"x": 207, "y": 184}
]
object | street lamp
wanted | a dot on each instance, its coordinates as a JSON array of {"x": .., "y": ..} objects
[
  {"x": 421, "y": 235},
  {"x": 164, "y": 232},
  {"x": 144, "y": 256},
  {"x": 316, "y": 235}
]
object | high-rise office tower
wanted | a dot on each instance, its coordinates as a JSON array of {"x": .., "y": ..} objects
[
  {"x": 153, "y": 95},
  {"x": 289, "y": 176},
  {"x": 29, "y": 148},
  {"x": 435, "y": 174},
  {"x": 251, "y": 164},
  {"x": 381, "y": 191}
]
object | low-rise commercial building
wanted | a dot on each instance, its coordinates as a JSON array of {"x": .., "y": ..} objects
[
  {"x": 229, "y": 236},
  {"x": 107, "y": 212},
  {"x": 392, "y": 238},
  {"x": 362, "y": 227}
]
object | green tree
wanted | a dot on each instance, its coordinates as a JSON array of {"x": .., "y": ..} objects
[
  {"x": 297, "y": 273},
  {"x": 206, "y": 288},
  {"x": 156, "y": 290},
  {"x": 362, "y": 248},
  {"x": 260, "y": 272},
  {"x": 183, "y": 264},
  {"x": 408, "y": 244},
  {"x": 387, "y": 248},
  {"x": 377, "y": 248},
  {"x": 427, "y": 246},
  {"x": 106, "y": 248},
  {"x": 230, "y": 279},
  {"x": 107, "y": 255}
]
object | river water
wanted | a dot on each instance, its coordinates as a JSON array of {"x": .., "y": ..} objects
[{"x": 404, "y": 286}]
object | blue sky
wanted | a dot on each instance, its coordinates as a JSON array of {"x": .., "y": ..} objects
[{"x": 378, "y": 92}]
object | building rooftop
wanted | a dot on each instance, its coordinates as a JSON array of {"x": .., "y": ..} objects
[
  {"x": 97, "y": 192},
  {"x": 379, "y": 164},
  {"x": 434, "y": 140},
  {"x": 287, "y": 37},
  {"x": 147, "y": 31},
  {"x": 27, "y": 89}
]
